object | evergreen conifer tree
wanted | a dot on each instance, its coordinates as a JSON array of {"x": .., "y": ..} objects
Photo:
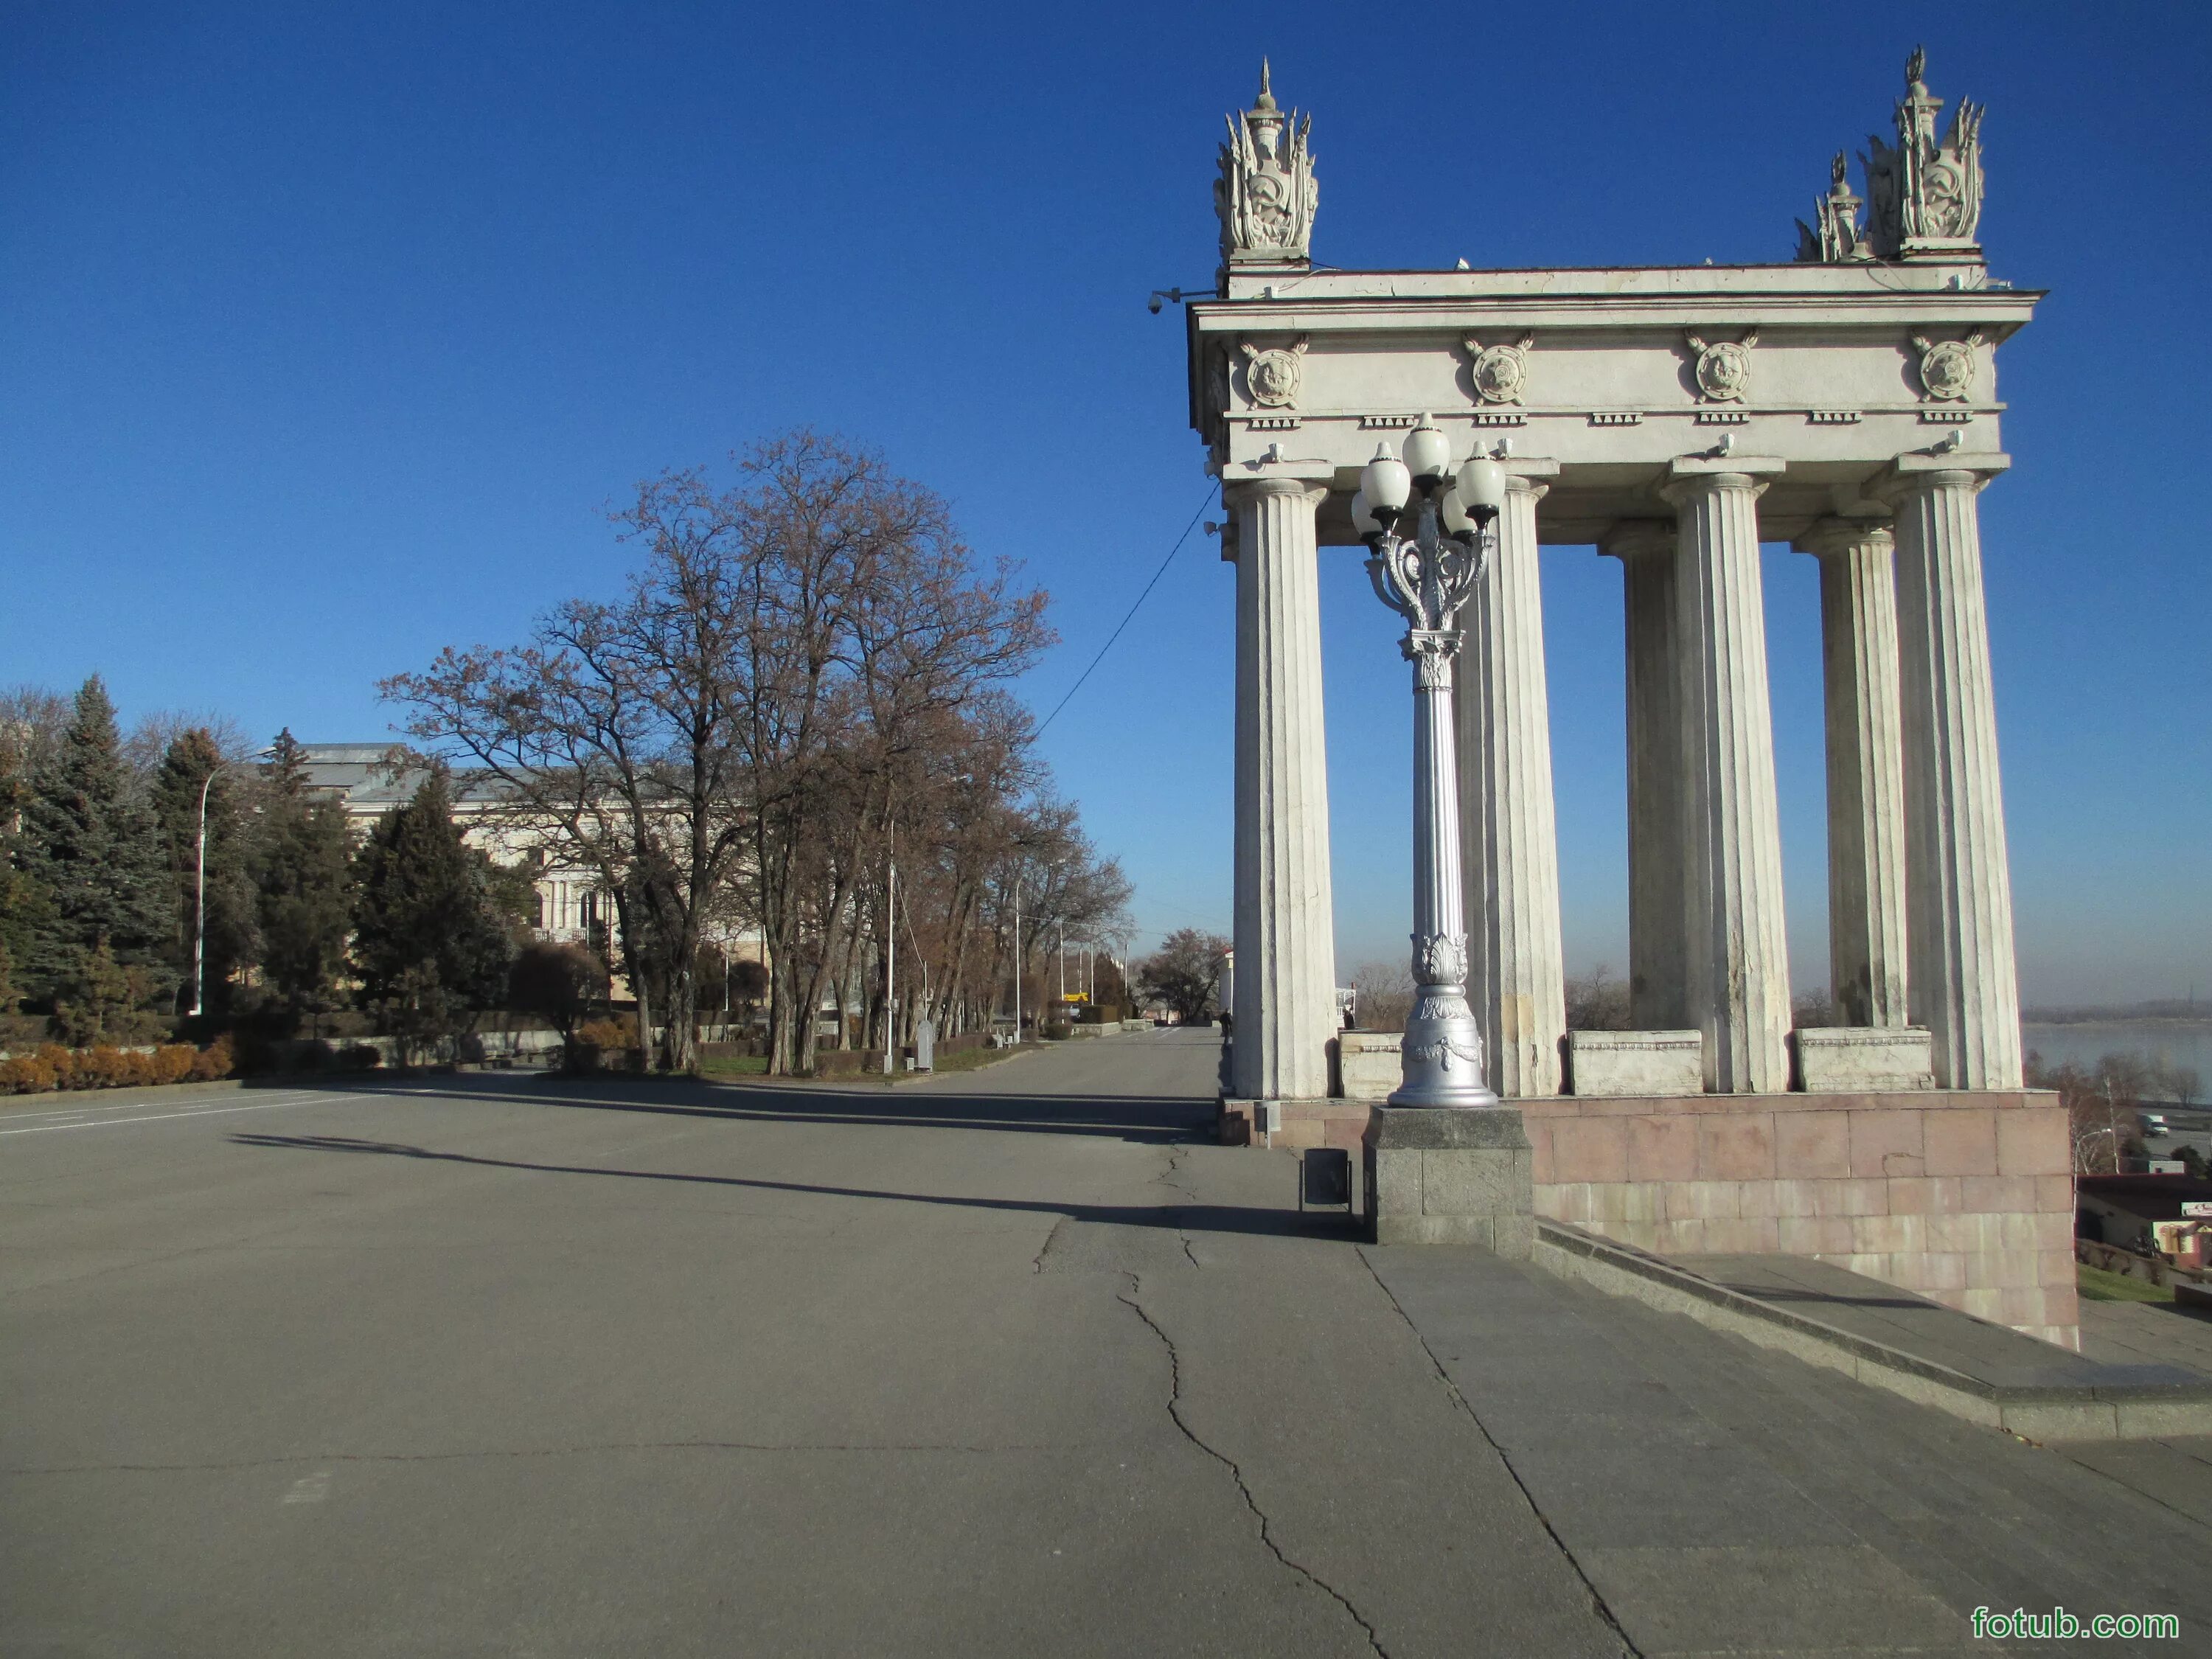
[
  {"x": 90, "y": 843},
  {"x": 193, "y": 761},
  {"x": 303, "y": 880},
  {"x": 25, "y": 907},
  {"x": 429, "y": 943}
]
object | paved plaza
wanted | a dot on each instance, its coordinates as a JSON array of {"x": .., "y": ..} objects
[{"x": 1010, "y": 1363}]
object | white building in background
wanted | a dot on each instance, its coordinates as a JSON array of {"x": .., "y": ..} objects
[{"x": 573, "y": 905}]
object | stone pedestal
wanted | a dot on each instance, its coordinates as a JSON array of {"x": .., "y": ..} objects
[
  {"x": 1286, "y": 983},
  {"x": 1369, "y": 1064},
  {"x": 1509, "y": 856},
  {"x": 1863, "y": 1058},
  {"x": 1603, "y": 1063},
  {"x": 1437, "y": 1175}
]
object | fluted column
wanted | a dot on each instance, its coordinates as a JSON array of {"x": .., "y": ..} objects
[
  {"x": 1509, "y": 856},
  {"x": 1737, "y": 953},
  {"x": 1657, "y": 994},
  {"x": 1286, "y": 983},
  {"x": 1963, "y": 985},
  {"x": 1866, "y": 769}
]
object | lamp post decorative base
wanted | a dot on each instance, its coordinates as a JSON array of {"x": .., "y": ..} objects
[{"x": 1441, "y": 1057}]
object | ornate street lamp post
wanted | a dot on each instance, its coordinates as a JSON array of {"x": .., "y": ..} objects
[{"x": 1426, "y": 577}]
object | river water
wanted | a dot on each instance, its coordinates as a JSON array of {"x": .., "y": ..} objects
[{"x": 2165, "y": 1042}]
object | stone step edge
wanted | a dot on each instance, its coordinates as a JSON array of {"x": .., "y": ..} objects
[{"x": 2102, "y": 1412}]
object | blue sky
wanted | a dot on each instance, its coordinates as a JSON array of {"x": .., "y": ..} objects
[{"x": 329, "y": 333}]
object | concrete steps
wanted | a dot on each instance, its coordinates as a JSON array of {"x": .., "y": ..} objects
[{"x": 1893, "y": 1339}]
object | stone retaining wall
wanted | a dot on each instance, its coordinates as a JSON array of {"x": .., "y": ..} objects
[{"x": 1965, "y": 1198}]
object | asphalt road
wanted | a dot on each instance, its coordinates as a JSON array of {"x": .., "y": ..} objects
[
  {"x": 506, "y": 1366},
  {"x": 1011, "y": 1363}
]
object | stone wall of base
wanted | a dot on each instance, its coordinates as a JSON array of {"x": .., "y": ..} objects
[
  {"x": 1305, "y": 1123},
  {"x": 1965, "y": 1198}
]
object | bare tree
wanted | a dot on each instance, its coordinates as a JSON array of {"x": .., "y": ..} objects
[
  {"x": 1185, "y": 973},
  {"x": 732, "y": 741},
  {"x": 870, "y": 628},
  {"x": 1383, "y": 994},
  {"x": 1596, "y": 1001},
  {"x": 610, "y": 732}
]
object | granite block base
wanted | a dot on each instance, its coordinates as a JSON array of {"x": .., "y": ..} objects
[{"x": 1439, "y": 1175}]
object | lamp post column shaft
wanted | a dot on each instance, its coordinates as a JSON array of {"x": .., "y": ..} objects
[
  {"x": 199, "y": 909},
  {"x": 1440, "y": 1055},
  {"x": 1438, "y": 912}
]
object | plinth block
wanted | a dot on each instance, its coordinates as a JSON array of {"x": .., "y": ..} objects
[{"x": 1444, "y": 1175}]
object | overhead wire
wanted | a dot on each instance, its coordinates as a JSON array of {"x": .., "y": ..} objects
[{"x": 1128, "y": 619}]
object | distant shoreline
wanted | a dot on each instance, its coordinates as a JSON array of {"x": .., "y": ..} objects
[{"x": 2114, "y": 1017}]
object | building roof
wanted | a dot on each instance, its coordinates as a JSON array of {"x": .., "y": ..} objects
[
  {"x": 372, "y": 777},
  {"x": 2153, "y": 1197}
]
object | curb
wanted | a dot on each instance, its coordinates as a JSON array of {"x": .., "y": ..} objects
[
  {"x": 124, "y": 1096},
  {"x": 871, "y": 1080},
  {"x": 2110, "y": 1410}
]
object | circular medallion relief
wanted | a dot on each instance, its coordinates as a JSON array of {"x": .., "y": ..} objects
[
  {"x": 1946, "y": 369},
  {"x": 1724, "y": 371},
  {"x": 1272, "y": 378},
  {"x": 1501, "y": 373}
]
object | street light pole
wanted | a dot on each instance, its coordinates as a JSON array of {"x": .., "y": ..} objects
[
  {"x": 199, "y": 907},
  {"x": 1018, "y": 957},
  {"x": 890, "y": 966},
  {"x": 1426, "y": 577}
]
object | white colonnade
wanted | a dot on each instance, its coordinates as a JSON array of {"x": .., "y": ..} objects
[{"x": 1919, "y": 898}]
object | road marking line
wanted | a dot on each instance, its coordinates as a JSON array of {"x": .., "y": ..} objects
[
  {"x": 156, "y": 1117},
  {"x": 312, "y": 1489}
]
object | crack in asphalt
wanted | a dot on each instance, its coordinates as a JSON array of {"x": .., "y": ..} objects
[
  {"x": 1597, "y": 1602},
  {"x": 1266, "y": 1529},
  {"x": 802, "y": 1446},
  {"x": 1166, "y": 1178}
]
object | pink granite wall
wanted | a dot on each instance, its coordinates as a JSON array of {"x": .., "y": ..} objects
[
  {"x": 1966, "y": 1199},
  {"x": 1305, "y": 1123}
]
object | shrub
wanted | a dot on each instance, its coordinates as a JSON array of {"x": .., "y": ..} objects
[
  {"x": 173, "y": 1061},
  {"x": 100, "y": 1067},
  {"x": 63, "y": 1063},
  {"x": 360, "y": 1057},
  {"x": 28, "y": 1075},
  {"x": 218, "y": 1060},
  {"x": 612, "y": 1031}
]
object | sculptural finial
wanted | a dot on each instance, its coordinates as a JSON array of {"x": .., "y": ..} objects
[
  {"x": 1265, "y": 196},
  {"x": 1836, "y": 170},
  {"x": 1924, "y": 193}
]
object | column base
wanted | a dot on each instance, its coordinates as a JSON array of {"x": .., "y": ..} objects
[{"x": 1437, "y": 1175}]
